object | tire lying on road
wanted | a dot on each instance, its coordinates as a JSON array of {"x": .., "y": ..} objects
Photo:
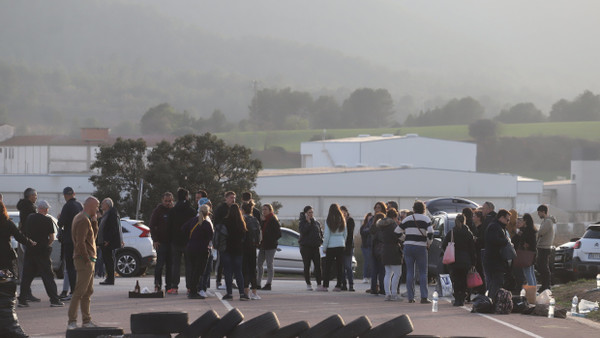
[
  {"x": 290, "y": 331},
  {"x": 159, "y": 322},
  {"x": 256, "y": 327},
  {"x": 201, "y": 325},
  {"x": 397, "y": 327},
  {"x": 226, "y": 324},
  {"x": 353, "y": 329},
  {"x": 324, "y": 328},
  {"x": 93, "y": 332}
]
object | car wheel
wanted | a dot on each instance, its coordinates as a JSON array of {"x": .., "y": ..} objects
[
  {"x": 397, "y": 327},
  {"x": 159, "y": 322},
  {"x": 290, "y": 331},
  {"x": 93, "y": 332},
  {"x": 128, "y": 264},
  {"x": 200, "y": 326},
  {"x": 324, "y": 328},
  {"x": 353, "y": 329},
  {"x": 226, "y": 324},
  {"x": 257, "y": 326}
]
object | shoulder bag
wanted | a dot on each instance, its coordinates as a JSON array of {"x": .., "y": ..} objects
[{"x": 449, "y": 256}]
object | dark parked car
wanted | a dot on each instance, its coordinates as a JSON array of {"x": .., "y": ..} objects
[{"x": 449, "y": 204}]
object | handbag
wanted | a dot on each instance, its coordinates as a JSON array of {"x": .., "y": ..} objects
[
  {"x": 524, "y": 258},
  {"x": 508, "y": 252},
  {"x": 473, "y": 279},
  {"x": 449, "y": 256}
]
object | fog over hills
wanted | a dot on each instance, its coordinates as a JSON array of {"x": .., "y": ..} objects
[{"x": 117, "y": 58}]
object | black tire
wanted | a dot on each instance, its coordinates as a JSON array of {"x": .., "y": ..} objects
[
  {"x": 353, "y": 329},
  {"x": 7, "y": 302},
  {"x": 397, "y": 327},
  {"x": 290, "y": 331},
  {"x": 159, "y": 322},
  {"x": 200, "y": 326},
  {"x": 324, "y": 328},
  {"x": 226, "y": 324},
  {"x": 257, "y": 326},
  {"x": 128, "y": 263},
  {"x": 146, "y": 335},
  {"x": 93, "y": 332}
]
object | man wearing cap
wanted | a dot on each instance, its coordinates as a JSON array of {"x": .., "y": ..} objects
[
  {"x": 40, "y": 228},
  {"x": 68, "y": 212}
]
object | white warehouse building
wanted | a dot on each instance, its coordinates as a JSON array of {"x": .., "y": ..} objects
[{"x": 387, "y": 150}]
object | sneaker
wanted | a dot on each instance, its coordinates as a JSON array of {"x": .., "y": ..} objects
[
  {"x": 227, "y": 297},
  {"x": 425, "y": 301},
  {"x": 411, "y": 300},
  {"x": 309, "y": 287},
  {"x": 351, "y": 289},
  {"x": 321, "y": 288},
  {"x": 89, "y": 324},
  {"x": 71, "y": 325},
  {"x": 337, "y": 289},
  {"x": 388, "y": 298},
  {"x": 32, "y": 298},
  {"x": 23, "y": 303},
  {"x": 172, "y": 291},
  {"x": 366, "y": 281},
  {"x": 57, "y": 303},
  {"x": 62, "y": 294},
  {"x": 107, "y": 282},
  {"x": 254, "y": 296},
  {"x": 221, "y": 287},
  {"x": 202, "y": 293},
  {"x": 244, "y": 297},
  {"x": 65, "y": 298},
  {"x": 395, "y": 298},
  {"x": 267, "y": 287},
  {"x": 195, "y": 296},
  {"x": 210, "y": 293},
  {"x": 344, "y": 288}
]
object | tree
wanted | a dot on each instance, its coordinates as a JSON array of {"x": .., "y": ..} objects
[
  {"x": 120, "y": 167},
  {"x": 521, "y": 113},
  {"x": 483, "y": 130},
  {"x": 270, "y": 108},
  {"x": 367, "y": 108},
  {"x": 585, "y": 107},
  {"x": 158, "y": 120},
  {"x": 325, "y": 112},
  {"x": 455, "y": 111}
]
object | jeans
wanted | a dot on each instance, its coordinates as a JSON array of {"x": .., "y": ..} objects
[
  {"x": 416, "y": 255},
  {"x": 269, "y": 256},
  {"x": 232, "y": 265},
  {"x": 163, "y": 259},
  {"x": 34, "y": 263},
  {"x": 392, "y": 279},
  {"x": 311, "y": 254},
  {"x": 367, "y": 263},
  {"x": 377, "y": 274},
  {"x": 349, "y": 276},
  {"x": 83, "y": 291},
  {"x": 108, "y": 255},
  {"x": 176, "y": 253},
  {"x": 543, "y": 257},
  {"x": 196, "y": 265},
  {"x": 331, "y": 255},
  {"x": 529, "y": 272}
]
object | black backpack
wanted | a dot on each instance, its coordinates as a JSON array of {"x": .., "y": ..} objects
[{"x": 253, "y": 234}]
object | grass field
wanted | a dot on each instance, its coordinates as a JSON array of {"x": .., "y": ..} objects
[{"x": 290, "y": 139}]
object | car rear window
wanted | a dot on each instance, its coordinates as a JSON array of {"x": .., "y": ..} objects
[{"x": 593, "y": 233}]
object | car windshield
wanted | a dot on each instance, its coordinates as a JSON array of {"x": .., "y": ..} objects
[{"x": 593, "y": 233}]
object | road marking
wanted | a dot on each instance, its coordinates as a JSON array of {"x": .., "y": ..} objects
[{"x": 225, "y": 303}]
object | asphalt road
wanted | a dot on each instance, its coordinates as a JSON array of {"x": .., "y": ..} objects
[{"x": 291, "y": 302}]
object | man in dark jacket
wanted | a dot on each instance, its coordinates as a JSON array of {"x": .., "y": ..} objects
[
  {"x": 178, "y": 215},
  {"x": 159, "y": 230},
  {"x": 65, "y": 220},
  {"x": 110, "y": 238},
  {"x": 311, "y": 238},
  {"x": 26, "y": 207},
  {"x": 495, "y": 240}
]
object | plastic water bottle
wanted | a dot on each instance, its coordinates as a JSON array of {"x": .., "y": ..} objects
[
  {"x": 434, "y": 303},
  {"x": 523, "y": 293},
  {"x": 598, "y": 281},
  {"x": 574, "y": 303},
  {"x": 551, "y": 308}
]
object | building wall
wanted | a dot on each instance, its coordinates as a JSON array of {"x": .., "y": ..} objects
[
  {"x": 587, "y": 182},
  {"x": 45, "y": 159}
]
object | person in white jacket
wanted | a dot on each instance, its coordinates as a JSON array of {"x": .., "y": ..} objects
[{"x": 334, "y": 241}]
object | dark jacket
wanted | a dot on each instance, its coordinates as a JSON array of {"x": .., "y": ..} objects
[
  {"x": 464, "y": 247},
  {"x": 220, "y": 213},
  {"x": 178, "y": 215},
  {"x": 350, "y": 238},
  {"x": 65, "y": 221},
  {"x": 392, "y": 255},
  {"x": 159, "y": 227},
  {"x": 527, "y": 236},
  {"x": 311, "y": 234},
  {"x": 38, "y": 228},
  {"x": 271, "y": 232},
  {"x": 235, "y": 237},
  {"x": 112, "y": 231},
  {"x": 7, "y": 253},
  {"x": 365, "y": 235},
  {"x": 200, "y": 236},
  {"x": 26, "y": 208},
  {"x": 495, "y": 240},
  {"x": 480, "y": 237}
]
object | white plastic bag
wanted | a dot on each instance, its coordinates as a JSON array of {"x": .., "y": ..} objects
[
  {"x": 586, "y": 306},
  {"x": 446, "y": 285},
  {"x": 544, "y": 297}
]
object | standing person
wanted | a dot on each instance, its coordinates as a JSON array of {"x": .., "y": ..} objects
[
  {"x": 479, "y": 248},
  {"x": 545, "y": 239},
  {"x": 334, "y": 241},
  {"x": 232, "y": 256},
  {"x": 8, "y": 287},
  {"x": 199, "y": 231},
  {"x": 495, "y": 239},
  {"x": 464, "y": 253},
  {"x": 489, "y": 216},
  {"x": 378, "y": 272},
  {"x": 205, "y": 277},
  {"x": 271, "y": 232},
  {"x": 468, "y": 214},
  {"x": 83, "y": 232},
  {"x": 365, "y": 247},
  {"x": 311, "y": 238},
  {"x": 527, "y": 236},
  {"x": 250, "y": 246},
  {"x": 387, "y": 234},
  {"x": 65, "y": 220},
  {"x": 348, "y": 251},
  {"x": 159, "y": 230},
  {"x": 219, "y": 217},
  {"x": 26, "y": 207},
  {"x": 419, "y": 235},
  {"x": 177, "y": 216},
  {"x": 246, "y": 197},
  {"x": 40, "y": 228},
  {"x": 112, "y": 238}
]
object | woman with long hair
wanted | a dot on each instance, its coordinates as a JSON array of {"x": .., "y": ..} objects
[
  {"x": 199, "y": 231},
  {"x": 365, "y": 247},
  {"x": 378, "y": 272},
  {"x": 348, "y": 251},
  {"x": 250, "y": 246},
  {"x": 388, "y": 241},
  {"x": 334, "y": 241},
  {"x": 311, "y": 237},
  {"x": 464, "y": 257},
  {"x": 232, "y": 256},
  {"x": 527, "y": 241}
]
